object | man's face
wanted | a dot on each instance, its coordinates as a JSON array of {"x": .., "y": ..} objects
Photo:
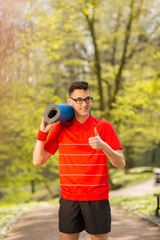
[{"x": 83, "y": 108}]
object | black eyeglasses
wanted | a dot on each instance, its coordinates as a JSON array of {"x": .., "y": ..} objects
[{"x": 87, "y": 100}]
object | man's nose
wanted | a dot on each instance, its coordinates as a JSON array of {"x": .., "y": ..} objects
[{"x": 84, "y": 103}]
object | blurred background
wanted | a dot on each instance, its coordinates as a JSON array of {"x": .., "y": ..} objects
[{"x": 46, "y": 45}]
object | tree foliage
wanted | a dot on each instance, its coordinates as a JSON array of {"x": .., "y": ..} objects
[{"x": 46, "y": 45}]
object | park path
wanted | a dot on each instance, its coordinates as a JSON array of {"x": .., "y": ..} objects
[
  {"x": 41, "y": 223},
  {"x": 148, "y": 186}
]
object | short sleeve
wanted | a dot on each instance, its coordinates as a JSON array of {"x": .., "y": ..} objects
[
  {"x": 110, "y": 136},
  {"x": 51, "y": 144}
]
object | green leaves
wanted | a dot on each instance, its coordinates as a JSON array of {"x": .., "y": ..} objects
[{"x": 111, "y": 44}]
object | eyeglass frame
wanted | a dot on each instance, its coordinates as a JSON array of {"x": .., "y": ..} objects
[{"x": 82, "y": 100}]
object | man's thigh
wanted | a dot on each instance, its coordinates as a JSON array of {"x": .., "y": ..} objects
[
  {"x": 92, "y": 216},
  {"x": 70, "y": 217},
  {"x": 97, "y": 218}
]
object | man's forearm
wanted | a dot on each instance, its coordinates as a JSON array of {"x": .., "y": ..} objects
[
  {"x": 115, "y": 157},
  {"x": 39, "y": 154}
]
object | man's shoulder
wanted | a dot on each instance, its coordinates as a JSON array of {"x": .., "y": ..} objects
[
  {"x": 66, "y": 124},
  {"x": 101, "y": 121}
]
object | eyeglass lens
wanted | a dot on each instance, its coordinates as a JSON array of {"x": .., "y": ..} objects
[{"x": 87, "y": 100}]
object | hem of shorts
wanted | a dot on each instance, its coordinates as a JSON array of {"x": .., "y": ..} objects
[
  {"x": 84, "y": 198},
  {"x": 105, "y": 232},
  {"x": 72, "y": 231}
]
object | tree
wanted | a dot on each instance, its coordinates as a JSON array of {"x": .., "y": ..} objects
[{"x": 114, "y": 45}]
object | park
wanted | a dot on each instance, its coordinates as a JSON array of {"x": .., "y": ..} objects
[{"x": 46, "y": 45}]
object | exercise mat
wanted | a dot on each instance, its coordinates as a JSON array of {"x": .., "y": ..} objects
[{"x": 58, "y": 112}]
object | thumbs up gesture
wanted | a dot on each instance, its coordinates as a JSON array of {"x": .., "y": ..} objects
[{"x": 96, "y": 142}]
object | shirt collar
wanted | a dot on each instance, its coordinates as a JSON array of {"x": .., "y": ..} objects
[{"x": 86, "y": 124}]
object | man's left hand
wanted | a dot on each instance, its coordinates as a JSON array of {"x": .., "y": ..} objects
[{"x": 96, "y": 142}]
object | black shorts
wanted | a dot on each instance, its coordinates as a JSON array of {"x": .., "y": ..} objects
[{"x": 92, "y": 216}]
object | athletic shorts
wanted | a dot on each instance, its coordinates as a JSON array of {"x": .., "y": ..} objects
[{"x": 92, "y": 216}]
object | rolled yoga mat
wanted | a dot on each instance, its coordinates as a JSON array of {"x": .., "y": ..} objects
[{"x": 58, "y": 112}]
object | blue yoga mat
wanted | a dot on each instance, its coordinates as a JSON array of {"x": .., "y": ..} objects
[{"x": 58, "y": 112}]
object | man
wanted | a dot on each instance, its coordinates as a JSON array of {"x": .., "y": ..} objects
[{"x": 84, "y": 145}]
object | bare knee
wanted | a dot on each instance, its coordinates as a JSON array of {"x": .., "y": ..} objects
[
  {"x": 99, "y": 236},
  {"x": 68, "y": 236}
]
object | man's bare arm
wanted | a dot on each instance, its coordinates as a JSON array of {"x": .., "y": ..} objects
[
  {"x": 40, "y": 155},
  {"x": 115, "y": 157}
]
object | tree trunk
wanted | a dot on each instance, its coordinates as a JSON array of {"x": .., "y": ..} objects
[
  {"x": 118, "y": 78},
  {"x": 154, "y": 155},
  {"x": 32, "y": 186},
  {"x": 129, "y": 151},
  {"x": 97, "y": 63}
]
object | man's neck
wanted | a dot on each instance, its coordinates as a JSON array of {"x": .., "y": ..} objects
[{"x": 81, "y": 119}]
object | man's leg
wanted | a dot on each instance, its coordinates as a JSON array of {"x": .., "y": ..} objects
[
  {"x": 99, "y": 236},
  {"x": 67, "y": 236},
  {"x": 97, "y": 216},
  {"x": 71, "y": 222}
]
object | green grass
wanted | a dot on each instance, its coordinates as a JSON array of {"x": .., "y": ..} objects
[
  {"x": 16, "y": 201},
  {"x": 135, "y": 176},
  {"x": 145, "y": 204},
  {"x": 16, "y": 196},
  {"x": 9, "y": 211}
]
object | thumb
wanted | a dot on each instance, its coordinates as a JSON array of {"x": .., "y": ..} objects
[{"x": 96, "y": 132}]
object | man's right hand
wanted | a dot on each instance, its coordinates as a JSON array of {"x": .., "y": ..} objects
[{"x": 48, "y": 127}]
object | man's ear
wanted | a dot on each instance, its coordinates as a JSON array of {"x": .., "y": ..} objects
[{"x": 69, "y": 101}]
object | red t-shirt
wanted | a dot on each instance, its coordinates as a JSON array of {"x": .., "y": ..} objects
[{"x": 83, "y": 170}]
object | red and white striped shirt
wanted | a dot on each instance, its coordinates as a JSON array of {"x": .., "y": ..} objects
[{"x": 83, "y": 170}]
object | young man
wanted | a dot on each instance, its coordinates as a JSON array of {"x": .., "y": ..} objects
[{"x": 84, "y": 145}]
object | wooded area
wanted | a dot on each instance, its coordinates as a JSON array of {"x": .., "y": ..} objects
[{"x": 45, "y": 45}]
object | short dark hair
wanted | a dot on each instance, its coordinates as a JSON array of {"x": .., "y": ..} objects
[{"x": 78, "y": 85}]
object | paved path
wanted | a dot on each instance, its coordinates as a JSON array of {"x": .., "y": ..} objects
[
  {"x": 42, "y": 223},
  {"x": 148, "y": 186}
]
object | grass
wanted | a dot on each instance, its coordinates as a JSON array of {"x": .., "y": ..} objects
[
  {"x": 16, "y": 201},
  {"x": 16, "y": 196},
  {"x": 145, "y": 204},
  {"x": 135, "y": 176},
  {"x": 9, "y": 211}
]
